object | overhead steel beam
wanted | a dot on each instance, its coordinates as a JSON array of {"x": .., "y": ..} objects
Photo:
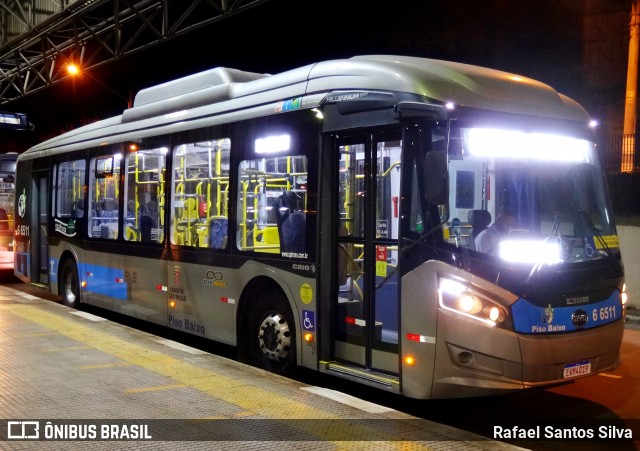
[{"x": 93, "y": 33}]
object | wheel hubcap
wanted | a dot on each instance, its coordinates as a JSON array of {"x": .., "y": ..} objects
[
  {"x": 274, "y": 337},
  {"x": 69, "y": 292}
]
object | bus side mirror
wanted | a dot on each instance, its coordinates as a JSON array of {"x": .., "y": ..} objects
[{"x": 437, "y": 177}]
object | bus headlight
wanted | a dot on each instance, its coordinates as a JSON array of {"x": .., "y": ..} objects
[{"x": 461, "y": 298}]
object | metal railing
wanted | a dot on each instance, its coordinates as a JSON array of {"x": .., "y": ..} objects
[{"x": 619, "y": 153}]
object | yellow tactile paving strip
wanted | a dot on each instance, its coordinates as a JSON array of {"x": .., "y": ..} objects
[
  {"x": 233, "y": 391},
  {"x": 184, "y": 374}
]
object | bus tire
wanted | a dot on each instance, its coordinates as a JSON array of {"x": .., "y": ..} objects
[
  {"x": 70, "y": 284},
  {"x": 270, "y": 334}
]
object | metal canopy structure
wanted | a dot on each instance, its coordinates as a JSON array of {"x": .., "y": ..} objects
[{"x": 38, "y": 37}]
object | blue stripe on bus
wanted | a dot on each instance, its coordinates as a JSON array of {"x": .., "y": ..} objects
[
  {"x": 53, "y": 275},
  {"x": 103, "y": 280},
  {"x": 22, "y": 263},
  {"x": 532, "y": 319}
]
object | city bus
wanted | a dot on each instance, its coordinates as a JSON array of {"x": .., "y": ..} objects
[
  {"x": 325, "y": 218},
  {"x": 7, "y": 202}
]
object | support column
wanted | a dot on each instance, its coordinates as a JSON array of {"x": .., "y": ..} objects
[{"x": 629, "y": 131}]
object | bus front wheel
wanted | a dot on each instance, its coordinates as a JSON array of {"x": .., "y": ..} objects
[
  {"x": 70, "y": 284},
  {"x": 270, "y": 334}
]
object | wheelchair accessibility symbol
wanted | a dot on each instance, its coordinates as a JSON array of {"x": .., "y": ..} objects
[{"x": 308, "y": 320}]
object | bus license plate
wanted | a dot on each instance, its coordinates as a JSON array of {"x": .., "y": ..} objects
[{"x": 576, "y": 369}]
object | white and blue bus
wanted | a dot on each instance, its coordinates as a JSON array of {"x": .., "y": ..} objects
[{"x": 325, "y": 218}]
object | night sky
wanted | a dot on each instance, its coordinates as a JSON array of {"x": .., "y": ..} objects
[{"x": 541, "y": 39}]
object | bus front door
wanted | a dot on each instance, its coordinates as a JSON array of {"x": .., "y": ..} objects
[{"x": 366, "y": 305}]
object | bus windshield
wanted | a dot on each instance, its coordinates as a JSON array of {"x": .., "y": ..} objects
[{"x": 528, "y": 197}]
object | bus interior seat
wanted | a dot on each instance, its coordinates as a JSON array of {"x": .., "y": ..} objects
[
  {"x": 78, "y": 209},
  {"x": 479, "y": 220},
  {"x": 131, "y": 208},
  {"x": 152, "y": 209},
  {"x": 108, "y": 214},
  {"x": 218, "y": 233},
  {"x": 108, "y": 208},
  {"x": 291, "y": 222}
]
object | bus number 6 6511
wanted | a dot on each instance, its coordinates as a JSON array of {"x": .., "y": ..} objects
[{"x": 604, "y": 313}]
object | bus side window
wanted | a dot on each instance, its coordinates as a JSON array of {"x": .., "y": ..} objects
[
  {"x": 70, "y": 179},
  {"x": 199, "y": 198},
  {"x": 144, "y": 194},
  {"x": 272, "y": 203},
  {"x": 104, "y": 192}
]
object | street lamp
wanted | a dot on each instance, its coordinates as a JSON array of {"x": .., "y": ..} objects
[{"x": 74, "y": 71}]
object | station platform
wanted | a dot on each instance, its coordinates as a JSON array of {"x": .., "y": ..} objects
[{"x": 73, "y": 380}]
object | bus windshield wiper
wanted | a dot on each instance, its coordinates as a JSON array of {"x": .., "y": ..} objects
[
  {"x": 601, "y": 240},
  {"x": 555, "y": 227}
]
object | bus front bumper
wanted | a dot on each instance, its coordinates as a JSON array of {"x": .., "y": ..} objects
[{"x": 472, "y": 360}]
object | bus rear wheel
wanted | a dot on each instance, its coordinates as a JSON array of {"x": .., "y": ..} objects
[
  {"x": 70, "y": 284},
  {"x": 270, "y": 334}
]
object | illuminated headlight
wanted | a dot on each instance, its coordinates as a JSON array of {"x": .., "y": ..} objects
[
  {"x": 623, "y": 294},
  {"x": 462, "y": 299}
]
